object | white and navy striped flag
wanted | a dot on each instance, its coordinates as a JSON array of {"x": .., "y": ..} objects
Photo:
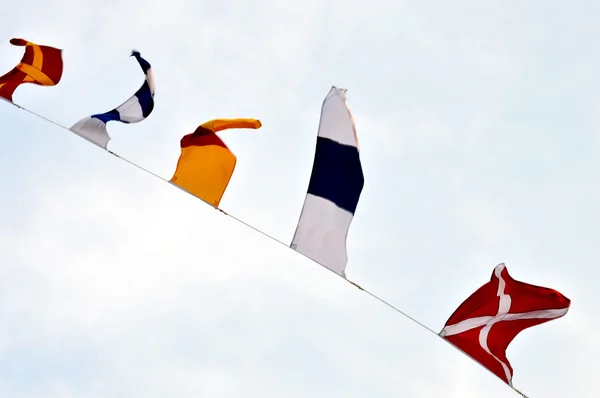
[
  {"x": 134, "y": 110},
  {"x": 334, "y": 190}
]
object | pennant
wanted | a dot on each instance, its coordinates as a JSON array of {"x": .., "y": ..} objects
[
  {"x": 206, "y": 165},
  {"x": 484, "y": 324},
  {"x": 41, "y": 65},
  {"x": 134, "y": 110},
  {"x": 334, "y": 189}
]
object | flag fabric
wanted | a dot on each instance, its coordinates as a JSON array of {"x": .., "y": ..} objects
[
  {"x": 334, "y": 189},
  {"x": 41, "y": 65},
  {"x": 485, "y": 323},
  {"x": 134, "y": 110},
  {"x": 206, "y": 165}
]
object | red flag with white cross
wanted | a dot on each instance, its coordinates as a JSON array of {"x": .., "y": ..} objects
[{"x": 484, "y": 324}]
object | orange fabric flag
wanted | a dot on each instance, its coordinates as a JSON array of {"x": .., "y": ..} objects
[
  {"x": 206, "y": 164},
  {"x": 40, "y": 65}
]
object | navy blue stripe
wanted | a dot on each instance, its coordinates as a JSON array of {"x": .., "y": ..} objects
[
  {"x": 144, "y": 96},
  {"x": 145, "y": 65},
  {"x": 337, "y": 174},
  {"x": 108, "y": 116}
]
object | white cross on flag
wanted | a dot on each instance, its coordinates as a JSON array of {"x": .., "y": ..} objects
[{"x": 484, "y": 324}]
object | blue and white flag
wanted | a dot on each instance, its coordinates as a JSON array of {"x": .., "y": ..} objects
[
  {"x": 134, "y": 110},
  {"x": 334, "y": 190}
]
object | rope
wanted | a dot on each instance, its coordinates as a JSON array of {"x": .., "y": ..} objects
[
  {"x": 520, "y": 393},
  {"x": 394, "y": 308}
]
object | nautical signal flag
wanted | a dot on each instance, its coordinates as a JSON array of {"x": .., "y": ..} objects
[
  {"x": 134, "y": 110},
  {"x": 485, "y": 323},
  {"x": 41, "y": 65},
  {"x": 334, "y": 189},
  {"x": 206, "y": 165}
]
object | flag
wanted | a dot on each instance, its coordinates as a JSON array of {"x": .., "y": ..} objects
[
  {"x": 206, "y": 165},
  {"x": 41, "y": 65},
  {"x": 134, "y": 110},
  {"x": 334, "y": 189},
  {"x": 484, "y": 324}
]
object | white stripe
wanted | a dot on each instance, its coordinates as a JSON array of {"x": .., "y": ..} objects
[
  {"x": 503, "y": 308},
  {"x": 131, "y": 111},
  {"x": 150, "y": 79},
  {"x": 501, "y": 284},
  {"x": 465, "y": 325},
  {"x": 336, "y": 121},
  {"x": 538, "y": 314},
  {"x": 321, "y": 233},
  {"x": 479, "y": 321},
  {"x": 93, "y": 130}
]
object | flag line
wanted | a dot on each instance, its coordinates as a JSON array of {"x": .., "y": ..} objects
[{"x": 264, "y": 234}]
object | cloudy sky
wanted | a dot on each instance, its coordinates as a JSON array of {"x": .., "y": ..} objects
[{"x": 479, "y": 130}]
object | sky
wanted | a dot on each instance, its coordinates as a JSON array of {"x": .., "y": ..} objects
[{"x": 478, "y": 128}]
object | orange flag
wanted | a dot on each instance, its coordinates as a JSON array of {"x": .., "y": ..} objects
[
  {"x": 206, "y": 164},
  {"x": 40, "y": 65}
]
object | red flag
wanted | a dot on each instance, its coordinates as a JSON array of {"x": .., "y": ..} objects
[
  {"x": 40, "y": 65},
  {"x": 484, "y": 324}
]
